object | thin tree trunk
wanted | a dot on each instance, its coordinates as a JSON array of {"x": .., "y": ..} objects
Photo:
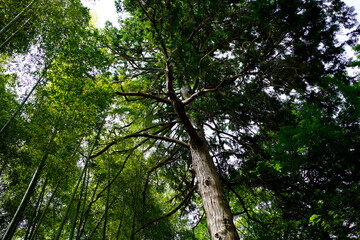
[
  {"x": 24, "y": 202},
  {"x": 13, "y": 35},
  {"x": 21, "y": 208},
  {"x": 33, "y": 233},
  {"x": 76, "y": 187},
  {"x": 82, "y": 224},
  {"x": 24, "y": 101},
  {"x": 35, "y": 214},
  {"x": 82, "y": 215},
  {"x": 119, "y": 228},
  {"x": 78, "y": 208},
  {"x": 16, "y": 18},
  {"x": 100, "y": 221},
  {"x": 107, "y": 204}
]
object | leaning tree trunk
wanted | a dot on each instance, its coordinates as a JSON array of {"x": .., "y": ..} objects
[{"x": 219, "y": 217}]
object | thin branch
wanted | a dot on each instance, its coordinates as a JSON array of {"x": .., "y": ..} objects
[
  {"x": 201, "y": 217},
  {"x": 168, "y": 139},
  {"x": 152, "y": 20},
  {"x": 112, "y": 181},
  {"x": 197, "y": 29},
  {"x": 158, "y": 165},
  {"x": 246, "y": 210},
  {"x": 144, "y": 95},
  {"x": 170, "y": 213},
  {"x": 204, "y": 91},
  {"x": 160, "y": 124}
]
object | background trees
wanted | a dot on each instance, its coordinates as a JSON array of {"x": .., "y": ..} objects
[{"x": 129, "y": 119}]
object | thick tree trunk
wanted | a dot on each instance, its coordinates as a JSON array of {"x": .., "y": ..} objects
[{"x": 219, "y": 217}]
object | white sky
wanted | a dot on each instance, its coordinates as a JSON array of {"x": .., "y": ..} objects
[{"x": 105, "y": 10}]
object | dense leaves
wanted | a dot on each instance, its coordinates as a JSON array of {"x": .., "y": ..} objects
[{"x": 258, "y": 89}]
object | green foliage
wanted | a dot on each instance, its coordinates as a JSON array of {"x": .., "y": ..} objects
[{"x": 269, "y": 84}]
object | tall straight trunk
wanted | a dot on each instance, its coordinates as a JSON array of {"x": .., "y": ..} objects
[
  {"x": 25, "y": 200},
  {"x": 68, "y": 206},
  {"x": 21, "y": 208},
  {"x": 33, "y": 233},
  {"x": 107, "y": 203},
  {"x": 119, "y": 228},
  {"x": 35, "y": 215},
  {"x": 13, "y": 35},
  {"x": 4, "y": 29},
  {"x": 85, "y": 216},
  {"x": 78, "y": 208},
  {"x": 219, "y": 217},
  {"x": 25, "y": 100},
  {"x": 83, "y": 211},
  {"x": 102, "y": 219}
]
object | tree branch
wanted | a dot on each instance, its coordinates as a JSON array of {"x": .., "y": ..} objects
[
  {"x": 206, "y": 90},
  {"x": 139, "y": 134},
  {"x": 170, "y": 213},
  {"x": 144, "y": 95},
  {"x": 158, "y": 165},
  {"x": 168, "y": 139}
]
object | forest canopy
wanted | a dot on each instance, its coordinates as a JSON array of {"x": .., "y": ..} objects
[{"x": 205, "y": 119}]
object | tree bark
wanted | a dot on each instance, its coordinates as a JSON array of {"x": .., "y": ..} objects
[{"x": 219, "y": 217}]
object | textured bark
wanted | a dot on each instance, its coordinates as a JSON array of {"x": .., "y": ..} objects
[{"x": 219, "y": 217}]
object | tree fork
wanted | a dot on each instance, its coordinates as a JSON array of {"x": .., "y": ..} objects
[{"x": 219, "y": 217}]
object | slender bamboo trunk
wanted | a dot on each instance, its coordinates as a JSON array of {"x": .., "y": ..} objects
[
  {"x": 25, "y": 200},
  {"x": 35, "y": 214},
  {"x": 24, "y": 101},
  {"x": 3, "y": 30},
  {"x": 77, "y": 208},
  {"x": 33, "y": 233},
  {"x": 58, "y": 233},
  {"x": 82, "y": 215},
  {"x": 13, "y": 35},
  {"x": 107, "y": 205},
  {"x": 83, "y": 220},
  {"x": 119, "y": 228},
  {"x": 102, "y": 219},
  {"x": 21, "y": 208}
]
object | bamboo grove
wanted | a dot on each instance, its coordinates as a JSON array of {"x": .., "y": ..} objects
[{"x": 202, "y": 119}]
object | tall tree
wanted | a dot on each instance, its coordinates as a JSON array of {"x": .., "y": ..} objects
[
  {"x": 222, "y": 110},
  {"x": 221, "y": 64}
]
